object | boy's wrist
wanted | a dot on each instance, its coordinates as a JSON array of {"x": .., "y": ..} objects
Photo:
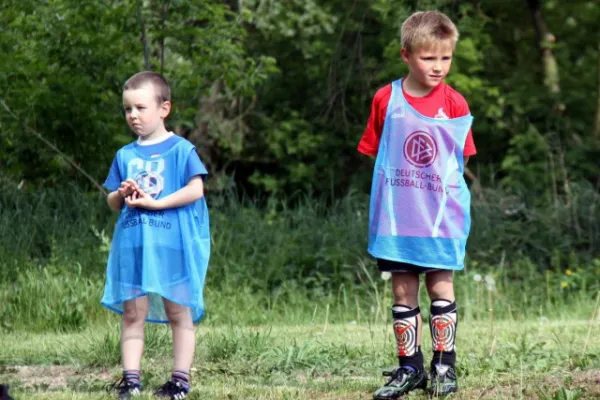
[{"x": 158, "y": 204}]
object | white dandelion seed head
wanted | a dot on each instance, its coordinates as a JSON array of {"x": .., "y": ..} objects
[
  {"x": 477, "y": 278},
  {"x": 386, "y": 276}
]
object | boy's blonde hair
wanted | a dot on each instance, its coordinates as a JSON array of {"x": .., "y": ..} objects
[
  {"x": 427, "y": 28},
  {"x": 161, "y": 87}
]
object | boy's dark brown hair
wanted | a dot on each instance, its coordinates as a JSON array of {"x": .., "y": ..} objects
[{"x": 161, "y": 87}]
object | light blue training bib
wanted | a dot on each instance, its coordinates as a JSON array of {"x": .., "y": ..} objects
[
  {"x": 162, "y": 254},
  {"x": 420, "y": 202}
]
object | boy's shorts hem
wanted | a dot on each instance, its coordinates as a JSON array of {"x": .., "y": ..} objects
[{"x": 396, "y": 266}]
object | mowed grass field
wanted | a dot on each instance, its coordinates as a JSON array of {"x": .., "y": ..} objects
[{"x": 536, "y": 359}]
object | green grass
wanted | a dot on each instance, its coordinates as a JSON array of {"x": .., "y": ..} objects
[
  {"x": 295, "y": 307},
  {"x": 539, "y": 358}
]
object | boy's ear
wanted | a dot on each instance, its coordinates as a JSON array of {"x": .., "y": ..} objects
[
  {"x": 405, "y": 54},
  {"x": 165, "y": 109}
]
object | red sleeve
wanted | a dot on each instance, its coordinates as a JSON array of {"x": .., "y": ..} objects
[
  {"x": 460, "y": 109},
  {"x": 369, "y": 142},
  {"x": 470, "y": 149}
]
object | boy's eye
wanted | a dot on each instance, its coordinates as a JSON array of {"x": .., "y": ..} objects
[{"x": 127, "y": 109}]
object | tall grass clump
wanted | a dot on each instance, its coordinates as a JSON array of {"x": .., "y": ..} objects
[
  {"x": 300, "y": 260},
  {"x": 39, "y": 225}
]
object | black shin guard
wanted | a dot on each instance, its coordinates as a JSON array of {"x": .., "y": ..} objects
[
  {"x": 406, "y": 325},
  {"x": 443, "y": 321}
]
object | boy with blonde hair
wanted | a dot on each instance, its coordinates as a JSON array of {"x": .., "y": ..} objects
[{"x": 419, "y": 220}]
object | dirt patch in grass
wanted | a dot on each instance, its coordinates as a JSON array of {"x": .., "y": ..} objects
[
  {"x": 51, "y": 377},
  {"x": 588, "y": 381}
]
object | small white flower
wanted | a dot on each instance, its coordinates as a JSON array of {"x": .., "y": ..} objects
[
  {"x": 386, "y": 276},
  {"x": 477, "y": 278},
  {"x": 490, "y": 280}
]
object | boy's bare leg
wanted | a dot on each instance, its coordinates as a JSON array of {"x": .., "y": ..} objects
[
  {"x": 440, "y": 285},
  {"x": 443, "y": 322},
  {"x": 132, "y": 332},
  {"x": 133, "y": 319},
  {"x": 184, "y": 341}
]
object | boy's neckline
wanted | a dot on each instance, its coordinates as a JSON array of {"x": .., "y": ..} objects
[
  {"x": 150, "y": 142},
  {"x": 398, "y": 86}
]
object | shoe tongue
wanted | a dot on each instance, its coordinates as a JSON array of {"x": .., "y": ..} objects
[{"x": 441, "y": 369}]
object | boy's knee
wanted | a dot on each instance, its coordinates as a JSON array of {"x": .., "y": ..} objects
[
  {"x": 440, "y": 284},
  {"x": 132, "y": 316},
  {"x": 410, "y": 300},
  {"x": 178, "y": 315},
  {"x": 405, "y": 287}
]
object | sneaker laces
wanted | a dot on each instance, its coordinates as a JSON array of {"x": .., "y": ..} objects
[
  {"x": 122, "y": 385},
  {"x": 172, "y": 388},
  {"x": 397, "y": 374}
]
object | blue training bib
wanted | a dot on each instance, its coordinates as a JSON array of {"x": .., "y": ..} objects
[
  {"x": 162, "y": 254},
  {"x": 420, "y": 203}
]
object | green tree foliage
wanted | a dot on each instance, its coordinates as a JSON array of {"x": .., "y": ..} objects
[
  {"x": 278, "y": 92},
  {"x": 312, "y": 114},
  {"x": 64, "y": 62}
]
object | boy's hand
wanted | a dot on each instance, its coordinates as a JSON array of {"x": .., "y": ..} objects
[
  {"x": 140, "y": 199},
  {"x": 127, "y": 188}
]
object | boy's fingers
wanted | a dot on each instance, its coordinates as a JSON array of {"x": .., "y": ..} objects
[
  {"x": 131, "y": 183},
  {"x": 131, "y": 200}
]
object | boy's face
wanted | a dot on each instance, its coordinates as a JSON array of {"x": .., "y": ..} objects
[
  {"x": 144, "y": 114},
  {"x": 429, "y": 65}
]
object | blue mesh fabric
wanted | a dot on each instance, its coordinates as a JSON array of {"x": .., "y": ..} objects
[
  {"x": 162, "y": 254},
  {"x": 419, "y": 211}
]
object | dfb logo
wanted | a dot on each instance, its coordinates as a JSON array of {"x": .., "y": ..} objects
[{"x": 420, "y": 149}]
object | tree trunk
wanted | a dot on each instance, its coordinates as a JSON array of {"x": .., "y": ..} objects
[
  {"x": 143, "y": 38},
  {"x": 597, "y": 122},
  {"x": 164, "y": 12},
  {"x": 545, "y": 42}
]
